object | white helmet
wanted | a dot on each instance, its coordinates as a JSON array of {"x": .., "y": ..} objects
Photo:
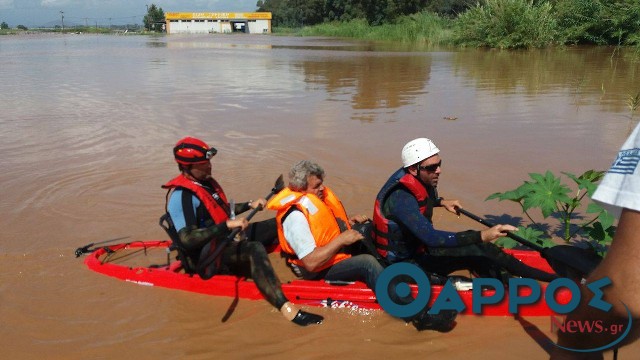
[{"x": 417, "y": 150}]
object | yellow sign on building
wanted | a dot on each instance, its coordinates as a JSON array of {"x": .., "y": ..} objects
[
  {"x": 217, "y": 15},
  {"x": 217, "y": 22}
]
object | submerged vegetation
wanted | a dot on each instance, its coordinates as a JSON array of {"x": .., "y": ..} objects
[
  {"x": 483, "y": 23},
  {"x": 633, "y": 102}
]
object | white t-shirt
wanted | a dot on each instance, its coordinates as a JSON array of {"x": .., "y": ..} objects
[
  {"x": 620, "y": 187},
  {"x": 298, "y": 233}
]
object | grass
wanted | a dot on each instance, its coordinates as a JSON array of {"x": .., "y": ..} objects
[
  {"x": 507, "y": 24},
  {"x": 12, "y": 31},
  {"x": 423, "y": 28}
]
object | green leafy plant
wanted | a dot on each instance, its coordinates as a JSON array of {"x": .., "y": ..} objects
[{"x": 555, "y": 199}]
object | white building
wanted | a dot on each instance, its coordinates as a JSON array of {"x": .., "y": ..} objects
[{"x": 217, "y": 22}]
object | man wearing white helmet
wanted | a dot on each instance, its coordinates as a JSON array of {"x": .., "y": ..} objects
[{"x": 403, "y": 228}]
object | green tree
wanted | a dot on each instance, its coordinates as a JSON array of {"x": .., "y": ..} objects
[
  {"x": 451, "y": 8},
  {"x": 343, "y": 10},
  {"x": 154, "y": 18},
  {"x": 4, "y": 25},
  {"x": 297, "y": 13},
  {"x": 378, "y": 12},
  {"x": 398, "y": 8},
  {"x": 22, "y": 27},
  {"x": 294, "y": 13}
]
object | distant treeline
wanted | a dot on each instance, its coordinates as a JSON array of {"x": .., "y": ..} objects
[
  {"x": 296, "y": 13},
  {"x": 491, "y": 23}
]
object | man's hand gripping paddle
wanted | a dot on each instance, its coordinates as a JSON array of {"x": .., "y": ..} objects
[
  {"x": 567, "y": 261},
  {"x": 279, "y": 185}
]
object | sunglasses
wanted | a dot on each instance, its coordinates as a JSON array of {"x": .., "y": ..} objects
[{"x": 430, "y": 168}]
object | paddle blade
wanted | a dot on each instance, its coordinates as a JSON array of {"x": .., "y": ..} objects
[
  {"x": 571, "y": 261},
  {"x": 279, "y": 185}
]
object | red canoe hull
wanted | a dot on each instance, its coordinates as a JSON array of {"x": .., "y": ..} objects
[{"x": 303, "y": 292}]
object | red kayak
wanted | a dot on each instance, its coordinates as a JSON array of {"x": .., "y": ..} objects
[{"x": 115, "y": 261}]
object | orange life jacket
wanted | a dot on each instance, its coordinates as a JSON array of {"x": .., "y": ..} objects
[{"x": 324, "y": 218}]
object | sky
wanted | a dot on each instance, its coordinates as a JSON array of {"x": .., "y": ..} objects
[{"x": 33, "y": 13}]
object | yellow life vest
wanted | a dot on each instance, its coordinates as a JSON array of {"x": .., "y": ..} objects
[{"x": 323, "y": 218}]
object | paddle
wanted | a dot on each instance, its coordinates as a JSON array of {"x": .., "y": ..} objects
[
  {"x": 565, "y": 260},
  {"x": 279, "y": 185},
  {"x": 87, "y": 248}
]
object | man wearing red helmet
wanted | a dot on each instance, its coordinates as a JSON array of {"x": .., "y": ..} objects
[{"x": 200, "y": 214}]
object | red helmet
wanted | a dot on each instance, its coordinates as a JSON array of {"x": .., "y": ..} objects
[{"x": 190, "y": 150}]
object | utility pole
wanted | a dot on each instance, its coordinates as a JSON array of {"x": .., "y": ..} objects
[
  {"x": 62, "y": 14},
  {"x": 147, "y": 16}
]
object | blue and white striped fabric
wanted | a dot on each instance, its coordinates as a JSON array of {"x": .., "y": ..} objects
[
  {"x": 626, "y": 162},
  {"x": 620, "y": 187}
]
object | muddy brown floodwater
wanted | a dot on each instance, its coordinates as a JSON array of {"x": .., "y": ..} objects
[{"x": 87, "y": 127}]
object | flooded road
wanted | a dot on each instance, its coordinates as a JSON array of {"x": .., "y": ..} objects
[{"x": 87, "y": 127}]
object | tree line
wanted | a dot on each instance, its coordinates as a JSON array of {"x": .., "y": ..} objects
[
  {"x": 296, "y": 13},
  {"x": 5, "y": 26},
  {"x": 492, "y": 23}
]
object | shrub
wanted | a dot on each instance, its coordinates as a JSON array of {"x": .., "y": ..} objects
[
  {"x": 423, "y": 28},
  {"x": 507, "y": 24}
]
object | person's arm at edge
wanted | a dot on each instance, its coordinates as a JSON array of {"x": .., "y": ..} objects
[{"x": 622, "y": 269}]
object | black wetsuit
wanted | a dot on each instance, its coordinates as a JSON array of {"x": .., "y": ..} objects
[
  {"x": 198, "y": 236},
  {"x": 446, "y": 252}
]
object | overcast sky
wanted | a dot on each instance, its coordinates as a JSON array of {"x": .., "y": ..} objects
[{"x": 81, "y": 12}]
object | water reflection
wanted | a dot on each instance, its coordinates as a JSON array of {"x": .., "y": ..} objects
[
  {"x": 156, "y": 43},
  {"x": 370, "y": 81},
  {"x": 338, "y": 47},
  {"x": 594, "y": 75},
  {"x": 215, "y": 45}
]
